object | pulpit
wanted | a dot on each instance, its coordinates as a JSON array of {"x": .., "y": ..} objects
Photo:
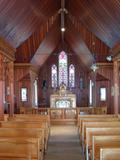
[{"x": 63, "y": 98}]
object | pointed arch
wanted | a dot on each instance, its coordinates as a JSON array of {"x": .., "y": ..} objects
[
  {"x": 54, "y": 76},
  {"x": 71, "y": 76},
  {"x": 63, "y": 68}
]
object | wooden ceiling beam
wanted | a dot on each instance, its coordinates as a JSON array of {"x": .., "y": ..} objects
[
  {"x": 95, "y": 45},
  {"x": 47, "y": 46},
  {"x": 77, "y": 44},
  {"x": 27, "y": 50}
]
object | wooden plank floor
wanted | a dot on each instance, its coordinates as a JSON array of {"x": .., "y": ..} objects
[{"x": 64, "y": 144}]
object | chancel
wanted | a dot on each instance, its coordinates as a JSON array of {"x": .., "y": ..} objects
[{"x": 59, "y": 79}]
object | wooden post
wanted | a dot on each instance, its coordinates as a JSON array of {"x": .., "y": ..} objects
[
  {"x": 11, "y": 85},
  {"x": 2, "y": 94},
  {"x": 116, "y": 86},
  {"x": 94, "y": 91}
]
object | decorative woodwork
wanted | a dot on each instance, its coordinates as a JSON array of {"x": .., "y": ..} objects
[
  {"x": 7, "y": 56},
  {"x": 7, "y": 49},
  {"x": 61, "y": 115},
  {"x": 66, "y": 97}
]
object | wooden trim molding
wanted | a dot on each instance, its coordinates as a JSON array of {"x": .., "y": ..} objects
[
  {"x": 29, "y": 65},
  {"x": 104, "y": 64},
  {"x": 7, "y": 50},
  {"x": 22, "y": 64}
]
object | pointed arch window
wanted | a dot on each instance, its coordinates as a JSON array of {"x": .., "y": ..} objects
[
  {"x": 71, "y": 76},
  {"x": 63, "y": 71},
  {"x": 54, "y": 76}
]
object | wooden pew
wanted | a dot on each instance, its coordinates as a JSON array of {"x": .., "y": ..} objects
[
  {"x": 25, "y": 133},
  {"x": 98, "y": 124},
  {"x": 101, "y": 119},
  {"x": 31, "y": 117},
  {"x": 19, "y": 148},
  {"x": 103, "y": 141},
  {"x": 110, "y": 153},
  {"x": 90, "y": 132},
  {"x": 83, "y": 117},
  {"x": 24, "y": 124}
]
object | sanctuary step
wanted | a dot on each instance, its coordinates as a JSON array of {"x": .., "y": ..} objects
[{"x": 64, "y": 143}]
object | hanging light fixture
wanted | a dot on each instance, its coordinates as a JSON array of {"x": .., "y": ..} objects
[
  {"x": 62, "y": 22},
  {"x": 94, "y": 66},
  {"x": 62, "y": 12}
]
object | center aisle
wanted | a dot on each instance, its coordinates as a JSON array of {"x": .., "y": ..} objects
[{"x": 64, "y": 144}]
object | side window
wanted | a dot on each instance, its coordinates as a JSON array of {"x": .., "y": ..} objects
[{"x": 103, "y": 94}]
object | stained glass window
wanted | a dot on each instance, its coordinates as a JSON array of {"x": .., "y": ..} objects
[
  {"x": 71, "y": 76},
  {"x": 54, "y": 76},
  {"x": 63, "y": 72}
]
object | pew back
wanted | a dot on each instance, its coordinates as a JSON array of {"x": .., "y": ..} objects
[
  {"x": 98, "y": 124},
  {"x": 27, "y": 148},
  {"x": 22, "y": 124},
  {"x": 109, "y": 153},
  {"x": 107, "y": 119},
  {"x": 103, "y": 141}
]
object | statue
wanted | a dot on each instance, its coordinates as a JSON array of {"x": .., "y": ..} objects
[
  {"x": 63, "y": 86},
  {"x": 63, "y": 89}
]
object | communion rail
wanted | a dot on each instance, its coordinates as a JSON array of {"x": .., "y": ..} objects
[{"x": 64, "y": 115}]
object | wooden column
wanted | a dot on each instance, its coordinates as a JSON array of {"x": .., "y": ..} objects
[
  {"x": 94, "y": 91},
  {"x": 2, "y": 94},
  {"x": 11, "y": 86},
  {"x": 116, "y": 86}
]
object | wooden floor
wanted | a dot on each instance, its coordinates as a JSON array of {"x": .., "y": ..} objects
[{"x": 64, "y": 144}]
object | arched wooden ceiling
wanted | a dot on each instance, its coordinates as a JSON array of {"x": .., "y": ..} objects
[
  {"x": 92, "y": 27},
  {"x": 101, "y": 17},
  {"x": 21, "y": 18}
]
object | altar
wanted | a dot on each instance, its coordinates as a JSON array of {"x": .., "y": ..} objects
[{"x": 63, "y": 98}]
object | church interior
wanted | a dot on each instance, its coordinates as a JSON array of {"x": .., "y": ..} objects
[{"x": 59, "y": 79}]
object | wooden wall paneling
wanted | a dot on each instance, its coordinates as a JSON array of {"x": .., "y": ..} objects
[
  {"x": 20, "y": 71},
  {"x": 106, "y": 70},
  {"x": 25, "y": 75}
]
